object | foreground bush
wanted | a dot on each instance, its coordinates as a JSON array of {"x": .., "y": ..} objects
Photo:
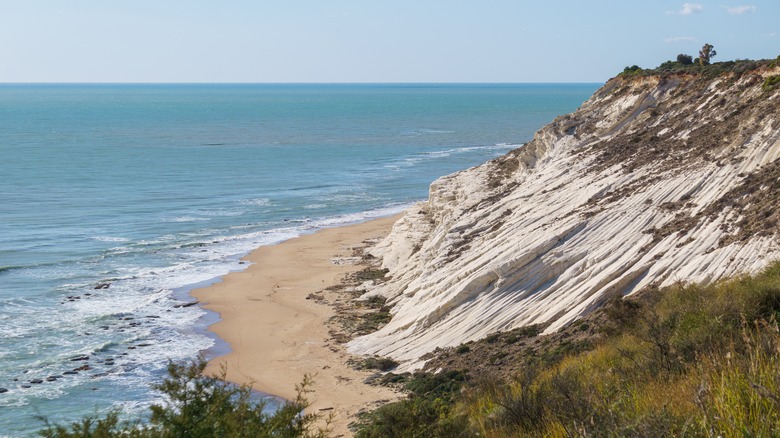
[
  {"x": 428, "y": 413},
  {"x": 201, "y": 406}
]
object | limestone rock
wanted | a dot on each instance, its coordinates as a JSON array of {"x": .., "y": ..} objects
[{"x": 653, "y": 180}]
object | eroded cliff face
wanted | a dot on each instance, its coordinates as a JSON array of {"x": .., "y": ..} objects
[{"x": 652, "y": 181}]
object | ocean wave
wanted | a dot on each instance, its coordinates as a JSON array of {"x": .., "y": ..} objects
[
  {"x": 312, "y": 187},
  {"x": 186, "y": 219},
  {"x": 257, "y": 202},
  {"x": 223, "y": 212},
  {"x": 110, "y": 239},
  {"x": 444, "y": 153},
  {"x": 4, "y": 269},
  {"x": 424, "y": 131}
]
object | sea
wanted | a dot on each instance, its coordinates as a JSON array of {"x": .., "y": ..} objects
[{"x": 116, "y": 200}]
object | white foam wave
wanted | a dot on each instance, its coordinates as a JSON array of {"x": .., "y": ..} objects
[
  {"x": 223, "y": 213},
  {"x": 257, "y": 202},
  {"x": 110, "y": 239},
  {"x": 423, "y": 131},
  {"x": 444, "y": 153},
  {"x": 185, "y": 219}
]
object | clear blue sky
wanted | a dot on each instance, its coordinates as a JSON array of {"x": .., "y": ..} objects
[{"x": 368, "y": 40}]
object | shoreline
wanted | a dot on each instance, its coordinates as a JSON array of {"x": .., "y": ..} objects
[{"x": 277, "y": 335}]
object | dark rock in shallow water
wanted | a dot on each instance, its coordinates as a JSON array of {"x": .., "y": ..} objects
[
  {"x": 36, "y": 381},
  {"x": 70, "y": 372},
  {"x": 51, "y": 379},
  {"x": 77, "y": 358},
  {"x": 26, "y": 386},
  {"x": 2, "y": 390},
  {"x": 103, "y": 286},
  {"x": 83, "y": 368},
  {"x": 186, "y": 304}
]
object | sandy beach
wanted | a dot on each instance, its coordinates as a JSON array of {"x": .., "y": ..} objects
[{"x": 277, "y": 335}]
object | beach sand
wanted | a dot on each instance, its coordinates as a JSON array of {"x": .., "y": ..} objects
[{"x": 277, "y": 335}]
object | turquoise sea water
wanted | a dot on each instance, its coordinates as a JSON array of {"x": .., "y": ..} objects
[{"x": 148, "y": 190}]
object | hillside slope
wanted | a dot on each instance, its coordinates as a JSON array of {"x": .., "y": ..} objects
[{"x": 654, "y": 180}]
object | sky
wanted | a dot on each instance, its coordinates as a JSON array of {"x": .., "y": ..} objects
[{"x": 349, "y": 41}]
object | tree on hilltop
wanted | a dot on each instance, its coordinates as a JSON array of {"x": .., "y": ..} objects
[
  {"x": 684, "y": 59},
  {"x": 706, "y": 53}
]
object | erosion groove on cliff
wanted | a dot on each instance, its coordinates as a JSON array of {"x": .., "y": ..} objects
[{"x": 654, "y": 180}]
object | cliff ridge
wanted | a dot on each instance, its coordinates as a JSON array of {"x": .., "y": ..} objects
[{"x": 653, "y": 180}]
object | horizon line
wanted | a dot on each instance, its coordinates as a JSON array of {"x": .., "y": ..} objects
[{"x": 284, "y": 83}]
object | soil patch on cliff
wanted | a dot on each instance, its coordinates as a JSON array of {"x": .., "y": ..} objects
[{"x": 503, "y": 355}]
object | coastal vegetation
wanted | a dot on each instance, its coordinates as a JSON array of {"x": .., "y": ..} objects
[
  {"x": 771, "y": 82},
  {"x": 686, "y": 64},
  {"x": 706, "y": 53},
  {"x": 688, "y": 360},
  {"x": 201, "y": 406}
]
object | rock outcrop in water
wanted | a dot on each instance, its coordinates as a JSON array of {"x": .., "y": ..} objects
[{"x": 654, "y": 180}]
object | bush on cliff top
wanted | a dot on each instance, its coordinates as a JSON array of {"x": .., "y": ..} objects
[{"x": 737, "y": 67}]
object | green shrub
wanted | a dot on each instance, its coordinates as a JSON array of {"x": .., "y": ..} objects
[
  {"x": 631, "y": 70},
  {"x": 429, "y": 412},
  {"x": 444, "y": 385},
  {"x": 684, "y": 59},
  {"x": 419, "y": 417},
  {"x": 378, "y": 363},
  {"x": 462, "y": 349},
  {"x": 202, "y": 406},
  {"x": 770, "y": 83}
]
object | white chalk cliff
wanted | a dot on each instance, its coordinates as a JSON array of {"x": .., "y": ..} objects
[{"x": 654, "y": 180}]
